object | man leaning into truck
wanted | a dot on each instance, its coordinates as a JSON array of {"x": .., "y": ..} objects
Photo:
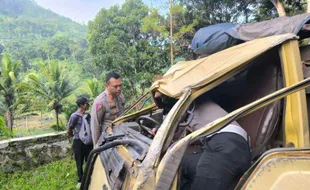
[{"x": 107, "y": 106}]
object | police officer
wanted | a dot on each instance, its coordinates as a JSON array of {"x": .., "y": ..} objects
[
  {"x": 226, "y": 154},
  {"x": 107, "y": 106}
]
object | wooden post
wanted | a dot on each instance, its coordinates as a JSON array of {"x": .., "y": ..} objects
[
  {"x": 279, "y": 6},
  {"x": 27, "y": 123},
  {"x": 41, "y": 121},
  {"x": 171, "y": 27}
]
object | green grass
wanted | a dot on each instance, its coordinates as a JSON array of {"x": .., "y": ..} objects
[
  {"x": 32, "y": 131},
  {"x": 53, "y": 176},
  {"x": 34, "y": 125}
]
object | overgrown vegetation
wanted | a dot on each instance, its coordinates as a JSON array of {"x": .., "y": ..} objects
[
  {"x": 4, "y": 131},
  {"x": 53, "y": 176}
]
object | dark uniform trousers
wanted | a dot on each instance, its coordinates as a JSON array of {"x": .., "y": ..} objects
[
  {"x": 81, "y": 152},
  {"x": 225, "y": 158}
]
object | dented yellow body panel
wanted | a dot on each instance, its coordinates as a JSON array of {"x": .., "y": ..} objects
[
  {"x": 99, "y": 177},
  {"x": 296, "y": 118},
  {"x": 281, "y": 170}
]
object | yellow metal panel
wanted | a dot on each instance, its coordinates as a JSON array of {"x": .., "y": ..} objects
[
  {"x": 296, "y": 119},
  {"x": 146, "y": 110},
  {"x": 131, "y": 167},
  {"x": 284, "y": 170},
  {"x": 98, "y": 177}
]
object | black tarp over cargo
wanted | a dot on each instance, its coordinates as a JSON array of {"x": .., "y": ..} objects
[
  {"x": 277, "y": 26},
  {"x": 214, "y": 38},
  {"x": 211, "y": 39}
]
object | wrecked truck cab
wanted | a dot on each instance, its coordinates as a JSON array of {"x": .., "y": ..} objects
[{"x": 260, "y": 83}]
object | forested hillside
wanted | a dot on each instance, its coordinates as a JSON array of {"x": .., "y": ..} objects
[
  {"x": 43, "y": 61},
  {"x": 28, "y": 31}
]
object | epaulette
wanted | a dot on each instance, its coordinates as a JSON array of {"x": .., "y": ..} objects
[{"x": 103, "y": 95}]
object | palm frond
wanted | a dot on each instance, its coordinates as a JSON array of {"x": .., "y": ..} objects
[
  {"x": 52, "y": 83},
  {"x": 12, "y": 76}
]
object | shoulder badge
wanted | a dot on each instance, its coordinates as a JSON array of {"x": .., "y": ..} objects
[{"x": 99, "y": 106}]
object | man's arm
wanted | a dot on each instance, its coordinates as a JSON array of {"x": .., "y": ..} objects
[
  {"x": 97, "y": 115},
  {"x": 71, "y": 125}
]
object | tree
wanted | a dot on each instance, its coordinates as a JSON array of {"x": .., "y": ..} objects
[
  {"x": 183, "y": 29},
  {"x": 209, "y": 12},
  {"x": 117, "y": 43},
  {"x": 59, "y": 47},
  {"x": 53, "y": 83},
  {"x": 8, "y": 82},
  {"x": 92, "y": 87},
  {"x": 279, "y": 6},
  {"x": 268, "y": 9},
  {"x": 189, "y": 16}
]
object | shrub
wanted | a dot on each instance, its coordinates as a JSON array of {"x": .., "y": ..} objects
[
  {"x": 4, "y": 131},
  {"x": 61, "y": 127}
]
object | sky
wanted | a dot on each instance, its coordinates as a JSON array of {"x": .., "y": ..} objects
[{"x": 84, "y": 10}]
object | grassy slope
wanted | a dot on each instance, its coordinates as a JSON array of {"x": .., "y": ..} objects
[{"x": 53, "y": 176}]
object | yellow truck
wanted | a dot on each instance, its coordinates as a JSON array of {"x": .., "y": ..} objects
[{"x": 261, "y": 83}]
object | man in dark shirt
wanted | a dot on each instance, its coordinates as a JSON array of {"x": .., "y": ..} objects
[
  {"x": 226, "y": 154},
  {"x": 81, "y": 150}
]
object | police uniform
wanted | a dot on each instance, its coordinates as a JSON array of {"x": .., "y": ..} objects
[
  {"x": 226, "y": 154},
  {"x": 105, "y": 109}
]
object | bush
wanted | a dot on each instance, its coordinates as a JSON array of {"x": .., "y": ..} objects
[
  {"x": 4, "y": 131},
  {"x": 61, "y": 127}
]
